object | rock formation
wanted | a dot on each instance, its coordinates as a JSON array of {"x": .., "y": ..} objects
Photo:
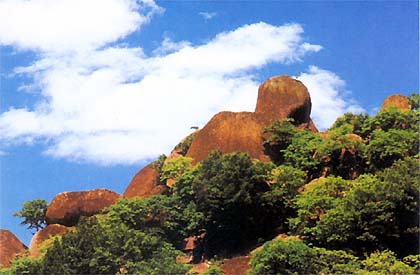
[
  {"x": 283, "y": 97},
  {"x": 66, "y": 208},
  {"x": 278, "y": 98},
  {"x": 399, "y": 102},
  {"x": 230, "y": 132},
  {"x": 144, "y": 184},
  {"x": 10, "y": 246},
  {"x": 44, "y": 234}
]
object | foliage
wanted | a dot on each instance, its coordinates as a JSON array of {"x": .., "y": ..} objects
[
  {"x": 103, "y": 247},
  {"x": 174, "y": 168},
  {"x": 335, "y": 261},
  {"x": 24, "y": 264},
  {"x": 384, "y": 262},
  {"x": 33, "y": 214},
  {"x": 414, "y": 101},
  {"x": 226, "y": 191},
  {"x": 371, "y": 212},
  {"x": 385, "y": 147},
  {"x": 277, "y": 137},
  {"x": 214, "y": 270},
  {"x": 185, "y": 144},
  {"x": 290, "y": 256},
  {"x": 353, "y": 122}
]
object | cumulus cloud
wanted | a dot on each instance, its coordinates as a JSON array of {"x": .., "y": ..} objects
[
  {"x": 68, "y": 25},
  {"x": 329, "y": 96},
  {"x": 116, "y": 105}
]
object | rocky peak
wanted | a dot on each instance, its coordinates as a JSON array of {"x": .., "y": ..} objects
[{"x": 397, "y": 101}]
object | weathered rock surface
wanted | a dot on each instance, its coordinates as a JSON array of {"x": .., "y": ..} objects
[
  {"x": 278, "y": 98},
  {"x": 283, "y": 97},
  {"x": 66, "y": 208},
  {"x": 399, "y": 102},
  {"x": 230, "y": 132},
  {"x": 10, "y": 246},
  {"x": 44, "y": 234},
  {"x": 236, "y": 266},
  {"x": 144, "y": 184}
]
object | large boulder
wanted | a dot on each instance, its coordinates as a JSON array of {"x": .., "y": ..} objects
[
  {"x": 230, "y": 132},
  {"x": 45, "y": 234},
  {"x": 10, "y": 247},
  {"x": 66, "y": 208},
  {"x": 283, "y": 97},
  {"x": 399, "y": 102},
  {"x": 144, "y": 184},
  {"x": 278, "y": 98}
]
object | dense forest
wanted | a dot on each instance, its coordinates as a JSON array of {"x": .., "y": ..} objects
[{"x": 344, "y": 201}]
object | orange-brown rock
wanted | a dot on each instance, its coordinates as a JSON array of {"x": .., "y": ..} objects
[
  {"x": 399, "y": 102},
  {"x": 278, "y": 98},
  {"x": 230, "y": 132},
  {"x": 144, "y": 184},
  {"x": 66, "y": 208},
  {"x": 10, "y": 247},
  {"x": 283, "y": 97},
  {"x": 44, "y": 234},
  {"x": 236, "y": 266}
]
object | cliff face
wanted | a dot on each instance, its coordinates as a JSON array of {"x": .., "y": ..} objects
[{"x": 278, "y": 98}]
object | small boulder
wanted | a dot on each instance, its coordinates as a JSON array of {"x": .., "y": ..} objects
[
  {"x": 10, "y": 247},
  {"x": 399, "y": 102},
  {"x": 44, "y": 234},
  {"x": 144, "y": 184},
  {"x": 66, "y": 208}
]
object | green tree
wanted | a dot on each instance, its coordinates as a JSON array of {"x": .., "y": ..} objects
[
  {"x": 277, "y": 137},
  {"x": 227, "y": 189},
  {"x": 175, "y": 167},
  {"x": 290, "y": 256},
  {"x": 384, "y": 262},
  {"x": 414, "y": 101},
  {"x": 33, "y": 214},
  {"x": 101, "y": 246}
]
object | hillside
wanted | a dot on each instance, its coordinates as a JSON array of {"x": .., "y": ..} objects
[{"x": 260, "y": 192}]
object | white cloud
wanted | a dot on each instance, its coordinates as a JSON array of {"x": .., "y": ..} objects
[
  {"x": 68, "y": 25},
  {"x": 115, "y": 105},
  {"x": 207, "y": 15},
  {"x": 329, "y": 97}
]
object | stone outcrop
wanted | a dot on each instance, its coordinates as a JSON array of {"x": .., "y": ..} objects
[
  {"x": 399, "y": 102},
  {"x": 237, "y": 265},
  {"x": 44, "y": 234},
  {"x": 144, "y": 184},
  {"x": 278, "y": 98},
  {"x": 230, "y": 132},
  {"x": 283, "y": 97},
  {"x": 66, "y": 208},
  {"x": 10, "y": 247}
]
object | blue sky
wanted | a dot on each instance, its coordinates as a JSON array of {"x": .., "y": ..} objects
[{"x": 93, "y": 90}]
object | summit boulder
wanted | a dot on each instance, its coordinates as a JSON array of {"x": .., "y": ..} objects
[
  {"x": 278, "y": 98},
  {"x": 399, "y": 102}
]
